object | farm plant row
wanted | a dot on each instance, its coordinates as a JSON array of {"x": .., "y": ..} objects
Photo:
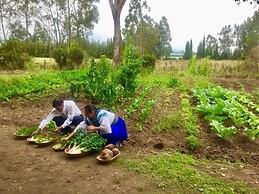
[
  {"x": 228, "y": 111},
  {"x": 143, "y": 105},
  {"x": 190, "y": 123},
  {"x": 36, "y": 84}
]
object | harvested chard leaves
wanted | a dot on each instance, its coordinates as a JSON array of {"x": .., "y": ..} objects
[{"x": 26, "y": 131}]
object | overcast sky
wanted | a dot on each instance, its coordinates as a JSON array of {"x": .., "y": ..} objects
[{"x": 188, "y": 19}]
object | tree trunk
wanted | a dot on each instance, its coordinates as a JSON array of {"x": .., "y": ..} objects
[
  {"x": 117, "y": 56},
  {"x": 54, "y": 24},
  {"x": 2, "y": 19},
  {"x": 27, "y": 19},
  {"x": 58, "y": 29},
  {"x": 69, "y": 24},
  {"x": 116, "y": 7}
]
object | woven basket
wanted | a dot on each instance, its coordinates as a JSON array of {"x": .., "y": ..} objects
[{"x": 107, "y": 161}]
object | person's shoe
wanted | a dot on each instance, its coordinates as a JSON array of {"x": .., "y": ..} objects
[{"x": 118, "y": 144}]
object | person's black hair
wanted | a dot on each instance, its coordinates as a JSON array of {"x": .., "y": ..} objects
[
  {"x": 90, "y": 108},
  {"x": 57, "y": 102}
]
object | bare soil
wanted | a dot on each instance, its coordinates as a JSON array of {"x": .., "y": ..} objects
[{"x": 25, "y": 168}]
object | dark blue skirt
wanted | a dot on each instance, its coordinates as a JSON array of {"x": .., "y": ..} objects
[{"x": 119, "y": 132}]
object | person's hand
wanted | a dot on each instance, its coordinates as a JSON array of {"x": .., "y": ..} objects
[
  {"x": 58, "y": 129},
  {"x": 35, "y": 132},
  {"x": 91, "y": 128}
]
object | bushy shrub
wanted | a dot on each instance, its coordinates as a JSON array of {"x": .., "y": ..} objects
[
  {"x": 61, "y": 57},
  {"x": 149, "y": 61},
  {"x": 76, "y": 56},
  {"x": 201, "y": 68},
  {"x": 13, "y": 55}
]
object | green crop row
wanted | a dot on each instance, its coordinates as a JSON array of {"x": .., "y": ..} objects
[
  {"x": 37, "y": 83},
  {"x": 220, "y": 105},
  {"x": 190, "y": 123},
  {"x": 137, "y": 101}
]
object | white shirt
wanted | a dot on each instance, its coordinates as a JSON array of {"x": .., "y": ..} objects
[
  {"x": 69, "y": 111},
  {"x": 105, "y": 119}
]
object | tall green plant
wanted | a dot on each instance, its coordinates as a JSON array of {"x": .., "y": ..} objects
[
  {"x": 131, "y": 66},
  {"x": 98, "y": 85},
  {"x": 199, "y": 68}
]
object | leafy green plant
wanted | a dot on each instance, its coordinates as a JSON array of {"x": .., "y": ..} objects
[
  {"x": 130, "y": 68},
  {"x": 193, "y": 142},
  {"x": 26, "y": 131},
  {"x": 219, "y": 104},
  {"x": 42, "y": 139},
  {"x": 61, "y": 56},
  {"x": 97, "y": 84},
  {"x": 174, "y": 82},
  {"x": 137, "y": 101},
  {"x": 201, "y": 68},
  {"x": 76, "y": 55},
  {"x": 221, "y": 130},
  {"x": 190, "y": 121},
  {"x": 149, "y": 61},
  {"x": 86, "y": 142},
  {"x": 38, "y": 83},
  {"x": 51, "y": 126},
  {"x": 146, "y": 110}
]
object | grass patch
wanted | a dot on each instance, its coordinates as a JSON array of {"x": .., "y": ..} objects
[
  {"x": 180, "y": 173},
  {"x": 160, "y": 78},
  {"x": 193, "y": 142},
  {"x": 170, "y": 122},
  {"x": 190, "y": 81}
]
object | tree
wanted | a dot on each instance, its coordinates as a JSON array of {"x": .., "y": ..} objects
[
  {"x": 4, "y": 9},
  {"x": 25, "y": 10},
  {"x": 141, "y": 28},
  {"x": 215, "y": 54},
  {"x": 191, "y": 48},
  {"x": 164, "y": 47},
  {"x": 82, "y": 14},
  {"x": 136, "y": 16},
  {"x": 186, "y": 54},
  {"x": 201, "y": 49},
  {"x": 116, "y": 8},
  {"x": 226, "y": 42},
  {"x": 18, "y": 31},
  {"x": 250, "y": 1},
  {"x": 211, "y": 47},
  {"x": 40, "y": 34},
  {"x": 146, "y": 38}
]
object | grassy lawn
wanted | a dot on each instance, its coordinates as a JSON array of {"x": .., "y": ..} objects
[{"x": 179, "y": 172}]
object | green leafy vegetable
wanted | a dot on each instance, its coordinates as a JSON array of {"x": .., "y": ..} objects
[
  {"x": 40, "y": 139},
  {"x": 26, "y": 131},
  {"x": 51, "y": 126}
]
